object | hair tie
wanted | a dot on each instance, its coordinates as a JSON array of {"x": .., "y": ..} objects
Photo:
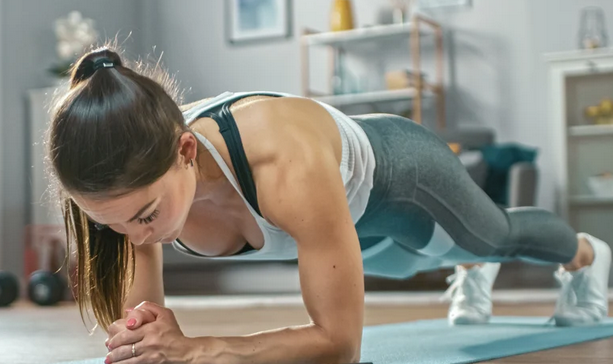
[{"x": 103, "y": 63}]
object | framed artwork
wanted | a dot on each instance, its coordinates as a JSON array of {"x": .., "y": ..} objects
[{"x": 250, "y": 21}]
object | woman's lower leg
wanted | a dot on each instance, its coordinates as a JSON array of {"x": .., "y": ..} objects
[{"x": 583, "y": 257}]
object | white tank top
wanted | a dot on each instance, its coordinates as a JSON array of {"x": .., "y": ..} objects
[{"x": 357, "y": 168}]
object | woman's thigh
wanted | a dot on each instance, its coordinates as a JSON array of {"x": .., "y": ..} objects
[{"x": 420, "y": 182}]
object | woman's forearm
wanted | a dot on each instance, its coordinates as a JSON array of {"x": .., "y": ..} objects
[
  {"x": 297, "y": 344},
  {"x": 148, "y": 283}
]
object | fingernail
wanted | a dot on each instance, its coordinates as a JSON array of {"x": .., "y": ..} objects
[
  {"x": 107, "y": 361},
  {"x": 131, "y": 322},
  {"x": 129, "y": 309}
]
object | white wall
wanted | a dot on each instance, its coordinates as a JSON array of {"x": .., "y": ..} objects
[
  {"x": 495, "y": 75},
  {"x": 191, "y": 33},
  {"x": 27, "y": 49},
  {"x": 498, "y": 75}
]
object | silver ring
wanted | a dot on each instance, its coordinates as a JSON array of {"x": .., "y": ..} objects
[{"x": 133, "y": 350}]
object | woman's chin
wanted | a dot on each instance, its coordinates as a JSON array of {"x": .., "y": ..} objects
[{"x": 169, "y": 239}]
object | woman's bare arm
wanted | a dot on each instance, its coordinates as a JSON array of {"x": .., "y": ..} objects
[
  {"x": 148, "y": 282},
  {"x": 301, "y": 191}
]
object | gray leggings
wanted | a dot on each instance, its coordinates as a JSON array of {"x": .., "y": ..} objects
[{"x": 425, "y": 211}]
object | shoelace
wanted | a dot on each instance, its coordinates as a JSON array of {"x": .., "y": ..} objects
[
  {"x": 566, "y": 294},
  {"x": 455, "y": 282},
  {"x": 564, "y": 279}
]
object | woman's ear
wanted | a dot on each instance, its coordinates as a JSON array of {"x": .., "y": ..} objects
[{"x": 188, "y": 148}]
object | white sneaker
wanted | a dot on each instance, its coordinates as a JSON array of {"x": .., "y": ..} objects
[
  {"x": 471, "y": 294},
  {"x": 583, "y": 297}
]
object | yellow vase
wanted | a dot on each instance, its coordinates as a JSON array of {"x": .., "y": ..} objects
[{"x": 342, "y": 16}]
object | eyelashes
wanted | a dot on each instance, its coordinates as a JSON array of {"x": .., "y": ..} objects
[
  {"x": 150, "y": 218},
  {"x": 145, "y": 220}
]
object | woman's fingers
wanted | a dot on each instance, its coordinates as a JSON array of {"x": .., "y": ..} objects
[
  {"x": 126, "y": 337},
  {"x": 138, "y": 317},
  {"x": 135, "y": 318},
  {"x": 116, "y": 327},
  {"x": 122, "y": 352}
]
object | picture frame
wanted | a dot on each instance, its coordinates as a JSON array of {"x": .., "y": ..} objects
[{"x": 251, "y": 21}]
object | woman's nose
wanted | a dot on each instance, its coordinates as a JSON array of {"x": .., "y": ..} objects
[{"x": 138, "y": 235}]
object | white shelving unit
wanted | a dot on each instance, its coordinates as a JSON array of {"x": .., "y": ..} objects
[
  {"x": 360, "y": 35},
  {"x": 579, "y": 79},
  {"x": 579, "y": 131},
  {"x": 590, "y": 200},
  {"x": 370, "y": 97},
  {"x": 382, "y": 35}
]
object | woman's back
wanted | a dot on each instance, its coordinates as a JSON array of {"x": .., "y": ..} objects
[{"x": 266, "y": 125}]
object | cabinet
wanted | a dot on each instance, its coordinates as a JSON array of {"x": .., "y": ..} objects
[
  {"x": 582, "y": 149},
  {"x": 43, "y": 210}
]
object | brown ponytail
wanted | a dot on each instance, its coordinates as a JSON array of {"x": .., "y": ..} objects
[{"x": 114, "y": 130}]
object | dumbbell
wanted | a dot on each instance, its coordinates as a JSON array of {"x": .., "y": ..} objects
[
  {"x": 9, "y": 289},
  {"x": 45, "y": 288}
]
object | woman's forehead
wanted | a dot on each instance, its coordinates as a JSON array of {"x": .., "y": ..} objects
[
  {"x": 114, "y": 209},
  {"x": 116, "y": 206}
]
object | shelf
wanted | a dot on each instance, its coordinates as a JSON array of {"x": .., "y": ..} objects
[
  {"x": 369, "y": 97},
  {"x": 364, "y": 42},
  {"x": 377, "y": 32},
  {"x": 590, "y": 130},
  {"x": 579, "y": 55},
  {"x": 590, "y": 200}
]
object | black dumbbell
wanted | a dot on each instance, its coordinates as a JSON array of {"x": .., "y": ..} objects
[
  {"x": 45, "y": 288},
  {"x": 9, "y": 288}
]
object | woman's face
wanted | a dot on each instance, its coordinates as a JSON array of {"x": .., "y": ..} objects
[{"x": 151, "y": 214}]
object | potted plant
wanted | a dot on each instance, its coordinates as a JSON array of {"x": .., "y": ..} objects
[{"x": 74, "y": 34}]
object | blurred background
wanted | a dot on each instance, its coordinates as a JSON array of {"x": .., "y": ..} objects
[{"x": 519, "y": 89}]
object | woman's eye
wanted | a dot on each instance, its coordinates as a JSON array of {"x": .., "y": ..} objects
[{"x": 150, "y": 218}]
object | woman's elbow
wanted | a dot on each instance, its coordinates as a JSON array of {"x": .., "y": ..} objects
[
  {"x": 348, "y": 353},
  {"x": 342, "y": 346},
  {"x": 348, "y": 349}
]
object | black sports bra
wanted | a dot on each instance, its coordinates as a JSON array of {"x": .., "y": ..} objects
[{"x": 229, "y": 131}]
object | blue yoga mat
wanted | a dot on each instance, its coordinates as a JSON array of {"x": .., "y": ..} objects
[{"x": 435, "y": 342}]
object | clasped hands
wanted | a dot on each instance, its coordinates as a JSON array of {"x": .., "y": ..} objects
[{"x": 152, "y": 334}]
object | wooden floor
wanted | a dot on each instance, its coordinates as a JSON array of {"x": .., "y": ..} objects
[{"x": 33, "y": 335}]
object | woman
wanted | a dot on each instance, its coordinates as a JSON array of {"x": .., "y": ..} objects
[{"x": 271, "y": 176}]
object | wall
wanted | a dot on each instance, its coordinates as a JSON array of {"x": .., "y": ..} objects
[
  {"x": 191, "y": 33},
  {"x": 496, "y": 76},
  {"x": 28, "y": 48}
]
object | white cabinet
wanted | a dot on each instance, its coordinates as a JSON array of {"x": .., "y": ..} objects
[
  {"x": 44, "y": 210},
  {"x": 582, "y": 149}
]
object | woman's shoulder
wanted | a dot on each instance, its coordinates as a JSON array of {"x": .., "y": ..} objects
[
  {"x": 272, "y": 121},
  {"x": 187, "y": 107}
]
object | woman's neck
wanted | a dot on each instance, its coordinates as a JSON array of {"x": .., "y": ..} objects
[{"x": 210, "y": 179}]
